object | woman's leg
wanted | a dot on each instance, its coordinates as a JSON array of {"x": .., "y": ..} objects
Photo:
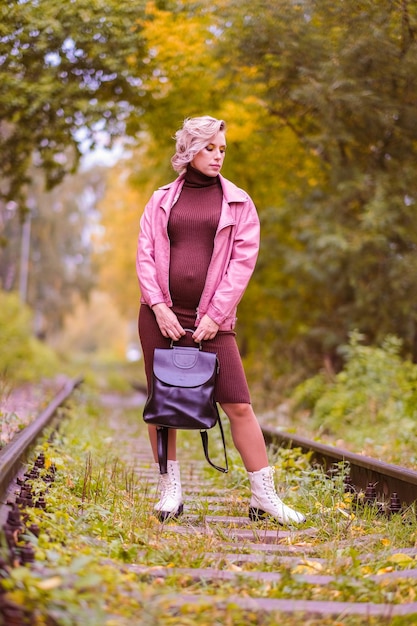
[
  {"x": 247, "y": 435},
  {"x": 250, "y": 443},
  {"x": 172, "y": 443},
  {"x": 170, "y": 504}
]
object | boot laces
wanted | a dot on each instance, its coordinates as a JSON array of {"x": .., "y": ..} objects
[
  {"x": 269, "y": 485},
  {"x": 168, "y": 485}
]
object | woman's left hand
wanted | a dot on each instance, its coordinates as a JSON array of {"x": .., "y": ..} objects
[{"x": 207, "y": 329}]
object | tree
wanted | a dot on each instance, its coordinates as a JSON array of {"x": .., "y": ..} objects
[
  {"x": 67, "y": 71},
  {"x": 58, "y": 264},
  {"x": 115, "y": 245},
  {"x": 70, "y": 72},
  {"x": 342, "y": 78},
  {"x": 319, "y": 99}
]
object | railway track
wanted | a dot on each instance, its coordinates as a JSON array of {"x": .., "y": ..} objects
[
  {"x": 14, "y": 455},
  {"x": 247, "y": 556},
  {"x": 385, "y": 478}
]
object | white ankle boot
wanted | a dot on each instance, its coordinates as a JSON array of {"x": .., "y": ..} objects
[
  {"x": 170, "y": 504},
  {"x": 265, "y": 501}
]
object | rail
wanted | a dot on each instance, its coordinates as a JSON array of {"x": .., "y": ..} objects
[
  {"x": 14, "y": 455},
  {"x": 386, "y": 478}
]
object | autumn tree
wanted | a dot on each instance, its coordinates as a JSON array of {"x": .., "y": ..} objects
[
  {"x": 341, "y": 77},
  {"x": 115, "y": 244},
  {"x": 319, "y": 100},
  {"x": 70, "y": 72}
]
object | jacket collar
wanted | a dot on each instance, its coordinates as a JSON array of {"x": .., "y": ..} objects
[
  {"x": 231, "y": 192},
  {"x": 171, "y": 192}
]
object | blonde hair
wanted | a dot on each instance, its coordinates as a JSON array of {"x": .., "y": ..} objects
[{"x": 193, "y": 137}]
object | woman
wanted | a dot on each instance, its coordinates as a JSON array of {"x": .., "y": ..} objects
[{"x": 197, "y": 248}]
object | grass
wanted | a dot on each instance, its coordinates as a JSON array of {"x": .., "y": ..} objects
[{"x": 98, "y": 527}]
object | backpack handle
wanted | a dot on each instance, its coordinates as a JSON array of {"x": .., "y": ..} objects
[{"x": 187, "y": 330}]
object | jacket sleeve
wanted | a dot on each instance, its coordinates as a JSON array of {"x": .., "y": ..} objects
[
  {"x": 151, "y": 292},
  {"x": 244, "y": 253}
]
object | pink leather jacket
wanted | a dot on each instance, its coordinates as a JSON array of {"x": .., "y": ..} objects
[{"x": 236, "y": 246}]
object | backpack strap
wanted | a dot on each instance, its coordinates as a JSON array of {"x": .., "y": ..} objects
[
  {"x": 162, "y": 448},
  {"x": 204, "y": 439}
]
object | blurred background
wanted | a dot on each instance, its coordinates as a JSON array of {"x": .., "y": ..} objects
[{"x": 320, "y": 101}]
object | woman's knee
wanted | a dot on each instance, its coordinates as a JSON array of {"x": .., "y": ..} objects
[{"x": 238, "y": 410}]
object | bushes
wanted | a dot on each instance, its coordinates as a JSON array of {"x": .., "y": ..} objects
[
  {"x": 375, "y": 393},
  {"x": 22, "y": 356}
]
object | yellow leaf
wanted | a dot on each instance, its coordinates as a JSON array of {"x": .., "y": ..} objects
[
  {"x": 49, "y": 583},
  {"x": 385, "y": 570},
  {"x": 308, "y": 567},
  {"x": 345, "y": 513},
  {"x": 400, "y": 559},
  {"x": 235, "y": 568}
]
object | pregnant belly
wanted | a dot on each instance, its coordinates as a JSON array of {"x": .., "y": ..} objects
[{"x": 186, "y": 286}]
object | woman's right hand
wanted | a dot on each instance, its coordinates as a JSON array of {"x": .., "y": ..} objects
[{"x": 167, "y": 321}]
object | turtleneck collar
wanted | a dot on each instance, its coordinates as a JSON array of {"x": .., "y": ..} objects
[{"x": 194, "y": 178}]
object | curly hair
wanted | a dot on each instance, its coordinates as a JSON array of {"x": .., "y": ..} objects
[{"x": 193, "y": 137}]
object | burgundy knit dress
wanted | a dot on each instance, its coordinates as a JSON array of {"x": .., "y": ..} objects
[{"x": 191, "y": 228}]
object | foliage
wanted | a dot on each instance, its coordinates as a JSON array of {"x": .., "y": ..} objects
[
  {"x": 374, "y": 396},
  {"x": 183, "y": 72},
  {"x": 346, "y": 92},
  {"x": 323, "y": 141},
  {"x": 22, "y": 356},
  {"x": 319, "y": 101},
  {"x": 59, "y": 262},
  {"x": 67, "y": 71},
  {"x": 115, "y": 246},
  {"x": 93, "y": 327}
]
